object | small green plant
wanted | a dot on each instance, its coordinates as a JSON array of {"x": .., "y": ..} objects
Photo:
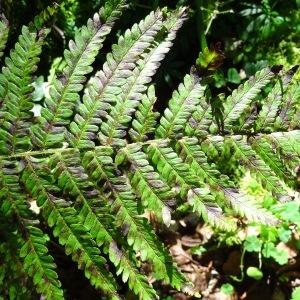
[
  {"x": 296, "y": 294},
  {"x": 255, "y": 273},
  {"x": 227, "y": 289},
  {"x": 95, "y": 162}
]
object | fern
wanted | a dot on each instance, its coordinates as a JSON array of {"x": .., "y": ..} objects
[
  {"x": 271, "y": 105},
  {"x": 96, "y": 164},
  {"x": 64, "y": 90},
  {"x": 4, "y": 29}
]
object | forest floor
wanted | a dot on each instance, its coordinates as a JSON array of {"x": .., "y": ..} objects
[{"x": 209, "y": 265}]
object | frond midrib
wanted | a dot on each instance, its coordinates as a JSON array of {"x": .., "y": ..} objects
[{"x": 51, "y": 151}]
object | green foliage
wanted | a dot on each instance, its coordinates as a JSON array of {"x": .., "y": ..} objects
[
  {"x": 4, "y": 29},
  {"x": 252, "y": 244},
  {"x": 96, "y": 164},
  {"x": 255, "y": 273},
  {"x": 227, "y": 289},
  {"x": 296, "y": 294}
]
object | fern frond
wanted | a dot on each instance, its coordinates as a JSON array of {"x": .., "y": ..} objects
[
  {"x": 90, "y": 195},
  {"x": 139, "y": 233},
  {"x": 190, "y": 151},
  {"x": 113, "y": 130},
  {"x": 285, "y": 118},
  {"x": 125, "y": 264},
  {"x": 137, "y": 282},
  {"x": 38, "y": 264},
  {"x": 43, "y": 17},
  {"x": 96, "y": 218},
  {"x": 4, "y": 30},
  {"x": 171, "y": 167},
  {"x": 67, "y": 226},
  {"x": 266, "y": 117},
  {"x": 220, "y": 184},
  {"x": 176, "y": 172},
  {"x": 200, "y": 121},
  {"x": 103, "y": 88},
  {"x": 245, "y": 206},
  {"x": 287, "y": 145},
  {"x": 204, "y": 204},
  {"x": 15, "y": 90},
  {"x": 13, "y": 272},
  {"x": 145, "y": 118},
  {"x": 73, "y": 180},
  {"x": 64, "y": 90},
  {"x": 241, "y": 98},
  {"x": 183, "y": 103},
  {"x": 141, "y": 236},
  {"x": 268, "y": 153},
  {"x": 245, "y": 154},
  {"x": 154, "y": 193}
]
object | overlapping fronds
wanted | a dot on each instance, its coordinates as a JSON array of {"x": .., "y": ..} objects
[
  {"x": 67, "y": 226},
  {"x": 155, "y": 194},
  {"x": 219, "y": 184},
  {"x": 98, "y": 165},
  {"x": 241, "y": 98},
  {"x": 15, "y": 90},
  {"x": 64, "y": 89},
  {"x": 119, "y": 65},
  {"x": 37, "y": 262},
  {"x": 269, "y": 111},
  {"x": 127, "y": 217}
]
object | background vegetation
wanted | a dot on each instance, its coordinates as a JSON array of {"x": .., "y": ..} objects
[{"x": 230, "y": 40}]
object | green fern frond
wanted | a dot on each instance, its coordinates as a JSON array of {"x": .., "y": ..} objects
[
  {"x": 220, "y": 185},
  {"x": 285, "y": 119},
  {"x": 37, "y": 262},
  {"x": 154, "y": 193},
  {"x": 16, "y": 89},
  {"x": 113, "y": 130},
  {"x": 67, "y": 226},
  {"x": 124, "y": 207},
  {"x": 176, "y": 172},
  {"x": 245, "y": 154},
  {"x": 103, "y": 87},
  {"x": 89, "y": 195},
  {"x": 64, "y": 89},
  {"x": 145, "y": 118},
  {"x": 73, "y": 180},
  {"x": 268, "y": 153},
  {"x": 287, "y": 145},
  {"x": 204, "y": 204},
  {"x": 266, "y": 117},
  {"x": 137, "y": 282},
  {"x": 13, "y": 272},
  {"x": 4, "y": 30},
  {"x": 241, "y": 98},
  {"x": 98, "y": 220},
  {"x": 201, "y": 120},
  {"x": 171, "y": 167},
  {"x": 120, "y": 257},
  {"x": 183, "y": 103}
]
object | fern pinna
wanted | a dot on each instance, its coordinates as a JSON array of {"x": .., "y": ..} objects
[{"x": 94, "y": 164}]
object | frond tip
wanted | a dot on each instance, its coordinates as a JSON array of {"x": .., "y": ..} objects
[
  {"x": 183, "y": 103},
  {"x": 4, "y": 29}
]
